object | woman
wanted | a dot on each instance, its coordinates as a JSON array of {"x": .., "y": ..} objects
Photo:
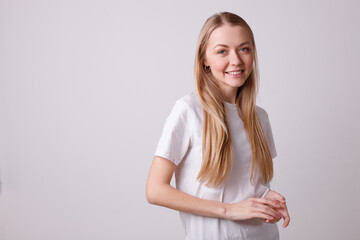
[{"x": 220, "y": 144}]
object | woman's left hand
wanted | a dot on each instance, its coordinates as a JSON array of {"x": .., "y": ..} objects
[{"x": 272, "y": 195}]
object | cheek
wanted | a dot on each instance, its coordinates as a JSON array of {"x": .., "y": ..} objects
[
  {"x": 219, "y": 65},
  {"x": 250, "y": 61}
]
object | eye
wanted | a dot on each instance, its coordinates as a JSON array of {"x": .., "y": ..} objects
[
  {"x": 244, "y": 49},
  {"x": 221, "y": 52}
]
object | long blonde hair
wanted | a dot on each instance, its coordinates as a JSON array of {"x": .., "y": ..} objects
[{"x": 217, "y": 149}]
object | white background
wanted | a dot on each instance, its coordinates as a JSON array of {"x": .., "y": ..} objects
[{"x": 86, "y": 86}]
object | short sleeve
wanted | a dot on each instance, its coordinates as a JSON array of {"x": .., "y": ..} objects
[
  {"x": 176, "y": 134},
  {"x": 265, "y": 122}
]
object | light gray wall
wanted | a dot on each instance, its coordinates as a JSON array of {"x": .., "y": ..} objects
[{"x": 85, "y": 88}]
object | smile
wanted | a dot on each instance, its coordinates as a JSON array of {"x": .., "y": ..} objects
[{"x": 235, "y": 72}]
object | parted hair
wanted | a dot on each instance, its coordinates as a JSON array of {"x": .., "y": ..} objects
[{"x": 217, "y": 149}]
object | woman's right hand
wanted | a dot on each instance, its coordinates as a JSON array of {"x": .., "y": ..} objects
[{"x": 253, "y": 208}]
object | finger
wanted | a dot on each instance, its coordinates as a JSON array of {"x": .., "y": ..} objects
[
  {"x": 283, "y": 211},
  {"x": 286, "y": 218},
  {"x": 263, "y": 216},
  {"x": 278, "y": 197},
  {"x": 269, "y": 211},
  {"x": 269, "y": 202},
  {"x": 273, "y": 221},
  {"x": 286, "y": 221},
  {"x": 256, "y": 212},
  {"x": 270, "y": 221},
  {"x": 265, "y": 206},
  {"x": 285, "y": 215}
]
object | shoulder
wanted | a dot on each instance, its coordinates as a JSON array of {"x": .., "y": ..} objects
[
  {"x": 261, "y": 112},
  {"x": 263, "y": 116},
  {"x": 191, "y": 99},
  {"x": 184, "y": 107},
  {"x": 188, "y": 103}
]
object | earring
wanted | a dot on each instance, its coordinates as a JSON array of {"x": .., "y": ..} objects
[{"x": 207, "y": 68}]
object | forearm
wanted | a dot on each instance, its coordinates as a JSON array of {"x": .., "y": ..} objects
[
  {"x": 167, "y": 196},
  {"x": 160, "y": 192}
]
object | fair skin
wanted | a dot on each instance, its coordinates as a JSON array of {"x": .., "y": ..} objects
[
  {"x": 271, "y": 208},
  {"x": 226, "y": 55},
  {"x": 230, "y": 57}
]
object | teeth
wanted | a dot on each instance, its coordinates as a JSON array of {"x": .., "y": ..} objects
[{"x": 237, "y": 72}]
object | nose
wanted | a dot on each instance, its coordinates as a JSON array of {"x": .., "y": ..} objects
[{"x": 235, "y": 59}]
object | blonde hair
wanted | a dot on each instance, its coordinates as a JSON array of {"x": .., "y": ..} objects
[{"x": 217, "y": 149}]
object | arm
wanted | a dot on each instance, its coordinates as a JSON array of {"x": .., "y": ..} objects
[{"x": 160, "y": 192}]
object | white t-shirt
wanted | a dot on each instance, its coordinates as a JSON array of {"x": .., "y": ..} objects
[{"x": 181, "y": 143}]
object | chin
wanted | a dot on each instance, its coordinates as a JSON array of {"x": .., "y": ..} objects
[{"x": 240, "y": 84}]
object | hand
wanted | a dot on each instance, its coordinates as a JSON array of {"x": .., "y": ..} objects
[
  {"x": 278, "y": 198},
  {"x": 253, "y": 208}
]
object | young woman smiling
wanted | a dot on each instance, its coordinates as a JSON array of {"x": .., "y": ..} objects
[{"x": 219, "y": 144}]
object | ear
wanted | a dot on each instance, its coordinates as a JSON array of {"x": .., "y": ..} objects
[{"x": 206, "y": 63}]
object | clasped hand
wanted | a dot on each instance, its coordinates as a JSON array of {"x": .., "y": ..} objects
[
  {"x": 270, "y": 209},
  {"x": 282, "y": 210}
]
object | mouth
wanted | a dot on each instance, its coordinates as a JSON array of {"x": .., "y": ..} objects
[{"x": 234, "y": 73}]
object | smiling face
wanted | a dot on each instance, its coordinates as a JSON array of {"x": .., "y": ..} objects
[{"x": 229, "y": 53}]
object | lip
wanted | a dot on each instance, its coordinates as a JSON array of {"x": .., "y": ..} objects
[
  {"x": 235, "y": 70},
  {"x": 235, "y": 75}
]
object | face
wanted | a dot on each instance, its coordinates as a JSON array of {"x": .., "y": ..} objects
[{"x": 229, "y": 54}]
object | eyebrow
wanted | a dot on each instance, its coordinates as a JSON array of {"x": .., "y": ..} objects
[{"x": 224, "y": 45}]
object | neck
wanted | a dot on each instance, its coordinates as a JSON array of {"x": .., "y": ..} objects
[{"x": 230, "y": 95}]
